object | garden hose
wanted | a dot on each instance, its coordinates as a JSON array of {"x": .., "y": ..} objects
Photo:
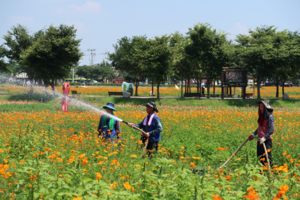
[
  {"x": 240, "y": 148},
  {"x": 136, "y": 128},
  {"x": 227, "y": 161}
]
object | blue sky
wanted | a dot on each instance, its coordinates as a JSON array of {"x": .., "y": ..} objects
[{"x": 101, "y": 23}]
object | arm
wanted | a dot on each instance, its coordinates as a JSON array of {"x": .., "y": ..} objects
[
  {"x": 140, "y": 125},
  {"x": 118, "y": 129},
  {"x": 271, "y": 127},
  {"x": 255, "y": 132},
  {"x": 158, "y": 127}
]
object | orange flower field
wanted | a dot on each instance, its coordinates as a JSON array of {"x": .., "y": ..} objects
[
  {"x": 266, "y": 92},
  {"x": 55, "y": 155}
]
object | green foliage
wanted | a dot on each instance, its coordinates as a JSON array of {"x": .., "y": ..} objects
[
  {"x": 54, "y": 53},
  {"x": 17, "y": 41},
  {"x": 208, "y": 49},
  {"x": 3, "y": 64},
  {"x": 268, "y": 53},
  {"x": 128, "y": 57},
  {"x": 57, "y": 155},
  {"x": 99, "y": 71}
]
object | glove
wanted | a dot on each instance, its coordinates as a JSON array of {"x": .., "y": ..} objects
[
  {"x": 262, "y": 140},
  {"x": 251, "y": 137}
]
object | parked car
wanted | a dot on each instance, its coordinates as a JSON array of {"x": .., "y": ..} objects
[
  {"x": 288, "y": 84},
  {"x": 270, "y": 84}
]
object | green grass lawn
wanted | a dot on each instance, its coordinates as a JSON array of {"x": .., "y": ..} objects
[
  {"x": 192, "y": 102},
  {"x": 53, "y": 104}
]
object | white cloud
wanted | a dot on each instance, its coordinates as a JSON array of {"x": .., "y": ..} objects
[
  {"x": 238, "y": 28},
  {"x": 78, "y": 25},
  {"x": 23, "y": 20},
  {"x": 88, "y": 7}
]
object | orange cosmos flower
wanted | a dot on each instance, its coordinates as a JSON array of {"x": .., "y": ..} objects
[
  {"x": 85, "y": 161},
  {"x": 216, "y": 197},
  {"x": 32, "y": 177},
  {"x": 228, "y": 177},
  {"x": 127, "y": 186},
  {"x": 192, "y": 164},
  {"x": 98, "y": 175},
  {"x": 251, "y": 194}
]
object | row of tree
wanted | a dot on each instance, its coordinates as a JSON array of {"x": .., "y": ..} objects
[
  {"x": 98, "y": 71},
  {"x": 265, "y": 52},
  {"x": 46, "y": 55}
]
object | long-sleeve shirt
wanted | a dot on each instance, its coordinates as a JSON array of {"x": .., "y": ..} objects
[
  {"x": 154, "y": 129},
  {"x": 271, "y": 127}
]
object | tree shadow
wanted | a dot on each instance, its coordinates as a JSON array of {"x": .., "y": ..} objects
[{"x": 31, "y": 97}]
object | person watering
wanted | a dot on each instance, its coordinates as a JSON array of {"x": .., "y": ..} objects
[
  {"x": 151, "y": 125},
  {"x": 265, "y": 130},
  {"x": 109, "y": 128},
  {"x": 65, "y": 100}
]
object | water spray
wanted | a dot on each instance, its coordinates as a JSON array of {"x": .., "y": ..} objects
[{"x": 81, "y": 103}]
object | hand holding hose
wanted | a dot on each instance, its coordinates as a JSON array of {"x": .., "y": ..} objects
[
  {"x": 251, "y": 137},
  {"x": 132, "y": 125},
  {"x": 262, "y": 140}
]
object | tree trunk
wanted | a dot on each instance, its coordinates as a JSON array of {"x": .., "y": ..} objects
[
  {"x": 46, "y": 89},
  {"x": 283, "y": 87},
  {"x": 208, "y": 86},
  {"x": 31, "y": 86},
  {"x": 136, "y": 88},
  {"x": 200, "y": 87},
  {"x": 182, "y": 87},
  {"x": 258, "y": 87},
  {"x": 197, "y": 84},
  {"x": 158, "y": 83},
  {"x": 277, "y": 87},
  {"x": 152, "y": 88},
  {"x": 52, "y": 86}
]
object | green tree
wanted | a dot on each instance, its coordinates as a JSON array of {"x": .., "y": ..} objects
[
  {"x": 17, "y": 41},
  {"x": 3, "y": 64},
  {"x": 104, "y": 70},
  {"x": 54, "y": 53},
  {"x": 84, "y": 71},
  {"x": 156, "y": 56},
  {"x": 127, "y": 57},
  {"x": 208, "y": 48},
  {"x": 254, "y": 50}
]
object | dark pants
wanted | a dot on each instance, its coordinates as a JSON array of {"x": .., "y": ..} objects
[
  {"x": 261, "y": 151},
  {"x": 153, "y": 146}
]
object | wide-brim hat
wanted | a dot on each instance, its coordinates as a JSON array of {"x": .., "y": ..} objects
[
  {"x": 152, "y": 105},
  {"x": 266, "y": 102},
  {"x": 110, "y": 105}
]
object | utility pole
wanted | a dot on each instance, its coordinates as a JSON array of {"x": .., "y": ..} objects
[
  {"x": 73, "y": 75},
  {"x": 105, "y": 57},
  {"x": 92, "y": 54}
]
